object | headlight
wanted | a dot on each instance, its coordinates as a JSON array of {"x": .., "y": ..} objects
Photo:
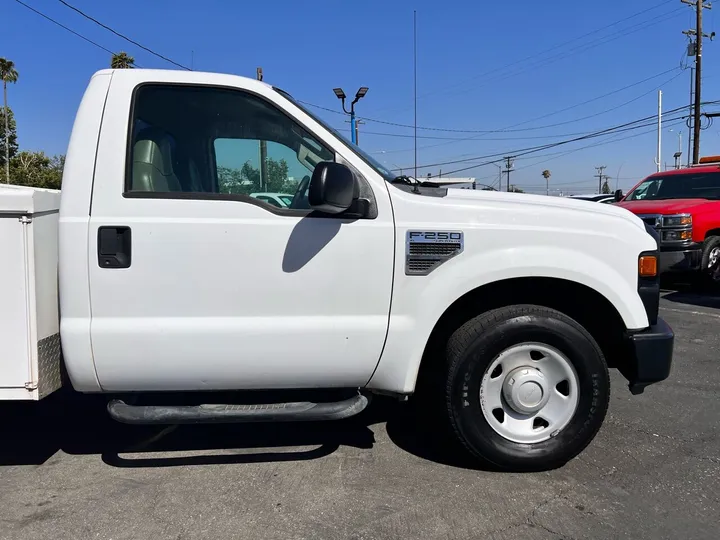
[
  {"x": 677, "y": 236},
  {"x": 682, "y": 220}
]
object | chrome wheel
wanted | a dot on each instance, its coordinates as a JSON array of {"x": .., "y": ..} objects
[
  {"x": 713, "y": 266},
  {"x": 529, "y": 393}
]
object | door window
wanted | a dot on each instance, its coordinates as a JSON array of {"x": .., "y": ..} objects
[{"x": 219, "y": 141}]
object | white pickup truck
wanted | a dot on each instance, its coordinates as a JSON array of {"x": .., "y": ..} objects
[{"x": 172, "y": 279}]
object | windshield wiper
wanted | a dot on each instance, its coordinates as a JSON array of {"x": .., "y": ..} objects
[{"x": 410, "y": 181}]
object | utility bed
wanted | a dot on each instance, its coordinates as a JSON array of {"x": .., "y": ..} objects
[{"x": 29, "y": 316}]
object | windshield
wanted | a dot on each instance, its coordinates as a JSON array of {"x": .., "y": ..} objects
[
  {"x": 678, "y": 186},
  {"x": 386, "y": 173}
]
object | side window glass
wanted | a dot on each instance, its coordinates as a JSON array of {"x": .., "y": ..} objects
[{"x": 215, "y": 140}]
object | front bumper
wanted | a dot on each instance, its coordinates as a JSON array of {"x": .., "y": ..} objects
[
  {"x": 680, "y": 260},
  {"x": 649, "y": 356}
]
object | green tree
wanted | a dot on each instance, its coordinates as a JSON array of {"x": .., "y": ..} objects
[
  {"x": 546, "y": 174},
  {"x": 231, "y": 181},
  {"x": 277, "y": 176},
  {"x": 606, "y": 187},
  {"x": 8, "y": 74},
  {"x": 246, "y": 180},
  {"x": 515, "y": 189},
  {"x": 122, "y": 60},
  {"x": 250, "y": 177},
  {"x": 37, "y": 170},
  {"x": 12, "y": 146}
]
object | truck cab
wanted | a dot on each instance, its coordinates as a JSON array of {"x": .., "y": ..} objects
[
  {"x": 503, "y": 312},
  {"x": 683, "y": 205}
]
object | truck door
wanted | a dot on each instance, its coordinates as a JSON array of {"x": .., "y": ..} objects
[{"x": 194, "y": 284}]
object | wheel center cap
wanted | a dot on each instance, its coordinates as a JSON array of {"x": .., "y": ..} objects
[
  {"x": 530, "y": 394},
  {"x": 525, "y": 390}
]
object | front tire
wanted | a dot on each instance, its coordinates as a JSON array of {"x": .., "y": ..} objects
[{"x": 527, "y": 387}]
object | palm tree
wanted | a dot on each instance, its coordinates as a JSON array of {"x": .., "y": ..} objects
[
  {"x": 122, "y": 60},
  {"x": 546, "y": 175},
  {"x": 8, "y": 74}
]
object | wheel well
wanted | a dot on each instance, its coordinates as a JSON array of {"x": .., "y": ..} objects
[
  {"x": 712, "y": 232},
  {"x": 587, "y": 306}
]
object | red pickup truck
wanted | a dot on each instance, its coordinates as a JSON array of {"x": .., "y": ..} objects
[{"x": 683, "y": 206}]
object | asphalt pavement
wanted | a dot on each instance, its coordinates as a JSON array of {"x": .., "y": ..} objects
[{"x": 652, "y": 472}]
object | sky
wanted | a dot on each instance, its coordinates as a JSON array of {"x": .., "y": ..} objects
[{"x": 530, "y": 73}]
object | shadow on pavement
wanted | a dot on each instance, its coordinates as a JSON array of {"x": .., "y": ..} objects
[
  {"x": 693, "y": 299},
  {"x": 79, "y": 424},
  {"x": 683, "y": 289},
  {"x": 32, "y": 433},
  {"x": 429, "y": 436}
]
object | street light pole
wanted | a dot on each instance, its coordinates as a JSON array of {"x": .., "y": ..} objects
[{"x": 358, "y": 96}]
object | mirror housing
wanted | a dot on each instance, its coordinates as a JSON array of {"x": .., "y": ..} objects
[
  {"x": 333, "y": 188},
  {"x": 618, "y": 195}
]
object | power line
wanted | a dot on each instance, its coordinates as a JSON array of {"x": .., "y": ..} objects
[
  {"x": 435, "y": 138},
  {"x": 554, "y": 155},
  {"x": 508, "y": 129},
  {"x": 65, "y": 27},
  {"x": 606, "y": 95},
  {"x": 612, "y": 140},
  {"x": 569, "y": 152},
  {"x": 551, "y": 145},
  {"x": 577, "y": 50},
  {"x": 557, "y": 124},
  {"x": 543, "y": 52},
  {"x": 106, "y": 27},
  {"x": 628, "y": 126}
]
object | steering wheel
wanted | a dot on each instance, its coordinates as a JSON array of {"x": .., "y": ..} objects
[{"x": 298, "y": 201}]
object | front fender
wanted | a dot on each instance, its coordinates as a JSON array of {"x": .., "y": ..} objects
[{"x": 420, "y": 301}]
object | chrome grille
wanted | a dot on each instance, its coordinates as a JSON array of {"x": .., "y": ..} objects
[
  {"x": 420, "y": 266},
  {"x": 651, "y": 219},
  {"x": 437, "y": 250}
]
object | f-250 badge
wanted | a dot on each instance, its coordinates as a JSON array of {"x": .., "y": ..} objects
[{"x": 426, "y": 250}]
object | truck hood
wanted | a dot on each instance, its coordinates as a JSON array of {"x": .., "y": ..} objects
[
  {"x": 666, "y": 206},
  {"x": 560, "y": 203}
]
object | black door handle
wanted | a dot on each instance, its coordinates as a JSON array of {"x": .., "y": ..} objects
[{"x": 114, "y": 247}]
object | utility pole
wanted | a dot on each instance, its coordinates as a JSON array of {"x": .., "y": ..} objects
[
  {"x": 499, "y": 176},
  {"x": 263, "y": 149},
  {"x": 508, "y": 168},
  {"x": 689, "y": 119},
  {"x": 600, "y": 176},
  {"x": 699, "y": 5},
  {"x": 357, "y": 133}
]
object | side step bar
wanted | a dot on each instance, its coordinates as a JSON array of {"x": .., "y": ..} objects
[{"x": 302, "y": 411}]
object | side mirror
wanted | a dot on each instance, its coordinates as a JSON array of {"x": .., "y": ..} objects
[
  {"x": 333, "y": 188},
  {"x": 618, "y": 195}
]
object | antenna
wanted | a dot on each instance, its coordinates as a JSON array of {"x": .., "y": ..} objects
[{"x": 415, "y": 82}]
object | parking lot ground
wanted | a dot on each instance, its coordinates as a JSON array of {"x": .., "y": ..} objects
[{"x": 652, "y": 472}]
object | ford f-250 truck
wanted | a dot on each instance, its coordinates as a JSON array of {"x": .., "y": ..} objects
[
  {"x": 173, "y": 279},
  {"x": 684, "y": 206}
]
